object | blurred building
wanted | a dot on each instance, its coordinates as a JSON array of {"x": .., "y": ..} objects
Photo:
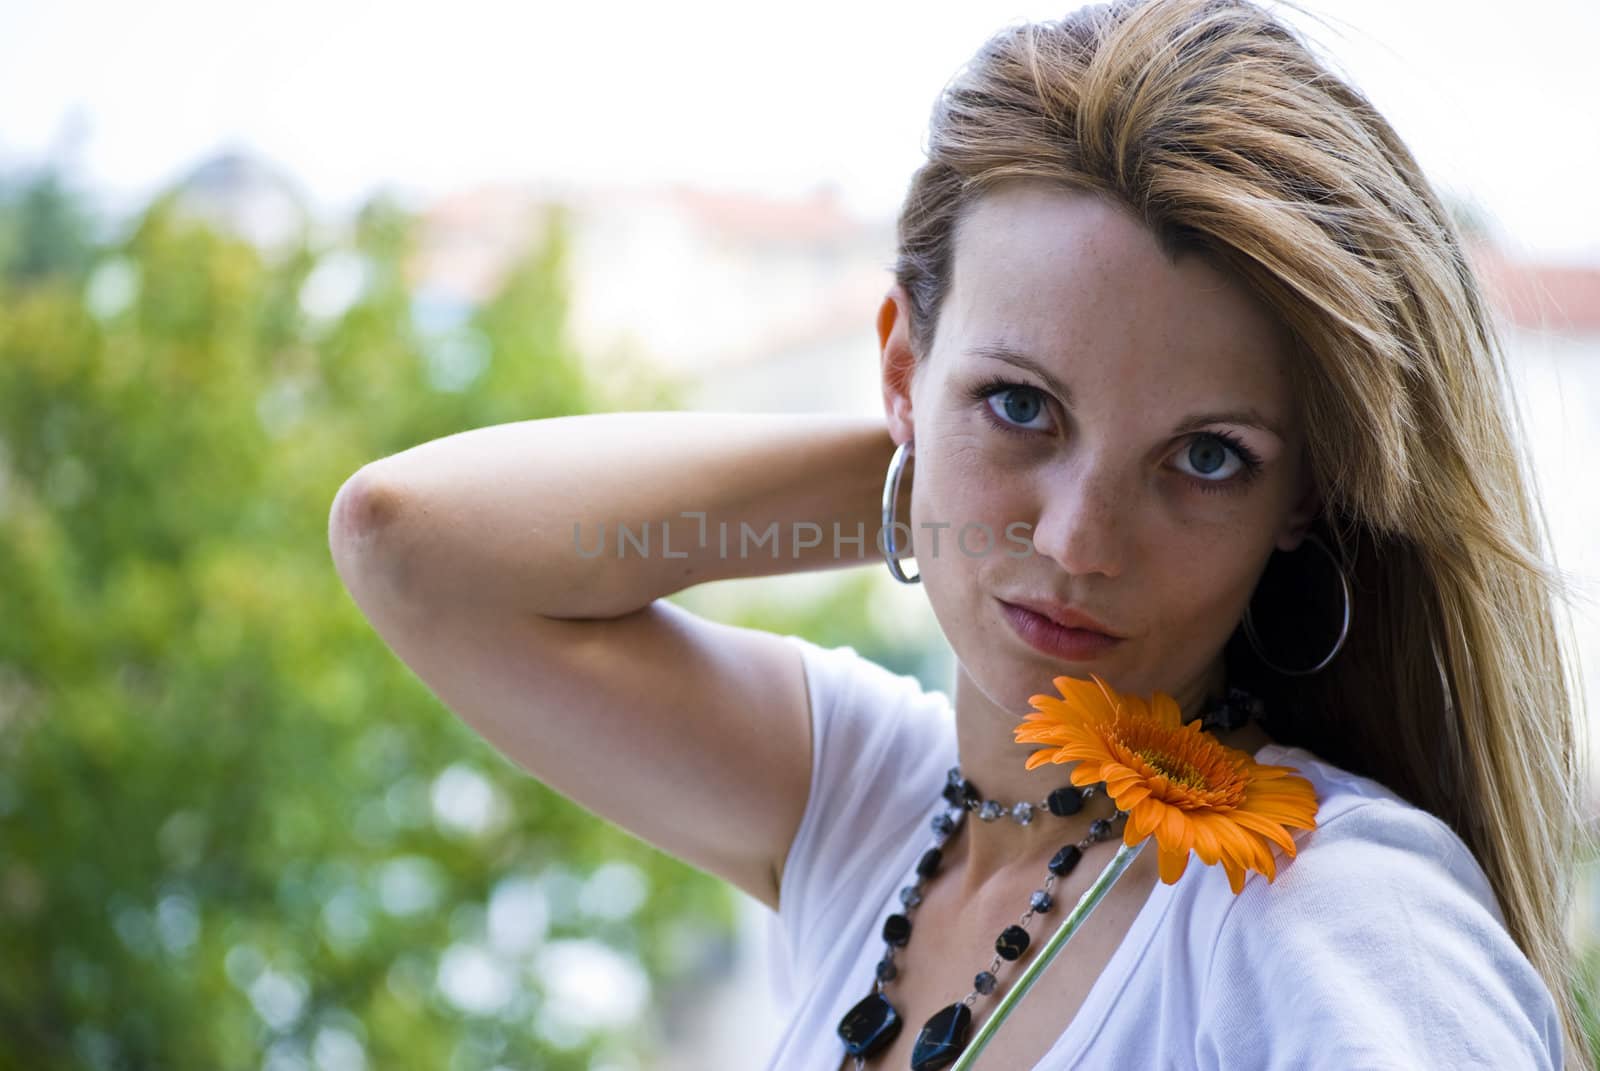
[
  {"x": 755, "y": 302},
  {"x": 243, "y": 194}
]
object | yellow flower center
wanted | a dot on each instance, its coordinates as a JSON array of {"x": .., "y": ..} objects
[{"x": 1173, "y": 768}]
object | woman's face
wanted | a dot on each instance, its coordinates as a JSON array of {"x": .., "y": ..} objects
[{"x": 1133, "y": 414}]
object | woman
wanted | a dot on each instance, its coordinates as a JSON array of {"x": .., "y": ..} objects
[{"x": 1183, "y": 364}]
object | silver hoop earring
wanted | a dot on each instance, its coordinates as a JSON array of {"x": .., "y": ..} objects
[
  {"x": 1344, "y": 624},
  {"x": 891, "y": 496}
]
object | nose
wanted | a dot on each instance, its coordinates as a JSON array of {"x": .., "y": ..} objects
[{"x": 1083, "y": 520}]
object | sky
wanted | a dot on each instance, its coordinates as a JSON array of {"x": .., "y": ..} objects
[{"x": 1499, "y": 102}]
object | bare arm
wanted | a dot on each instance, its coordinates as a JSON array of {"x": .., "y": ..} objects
[
  {"x": 512, "y": 513},
  {"x": 692, "y": 734}
]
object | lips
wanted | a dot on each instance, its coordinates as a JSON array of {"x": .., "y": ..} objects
[
  {"x": 1065, "y": 642},
  {"x": 1065, "y": 616}
]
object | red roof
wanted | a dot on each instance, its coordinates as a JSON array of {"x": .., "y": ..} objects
[{"x": 1550, "y": 297}]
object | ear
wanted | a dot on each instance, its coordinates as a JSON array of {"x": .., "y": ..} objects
[
  {"x": 1304, "y": 512},
  {"x": 899, "y": 364}
]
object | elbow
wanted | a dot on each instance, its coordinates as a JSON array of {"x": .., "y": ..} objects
[
  {"x": 365, "y": 506},
  {"x": 363, "y": 526}
]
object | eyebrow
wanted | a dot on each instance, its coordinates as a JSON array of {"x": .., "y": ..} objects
[{"x": 1248, "y": 417}]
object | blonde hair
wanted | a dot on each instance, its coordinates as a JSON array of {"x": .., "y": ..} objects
[{"x": 1217, "y": 126}]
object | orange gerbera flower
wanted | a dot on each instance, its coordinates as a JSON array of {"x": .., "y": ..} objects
[{"x": 1174, "y": 780}]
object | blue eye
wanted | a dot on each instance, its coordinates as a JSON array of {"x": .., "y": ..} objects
[
  {"x": 1018, "y": 405},
  {"x": 1208, "y": 453},
  {"x": 1011, "y": 406}
]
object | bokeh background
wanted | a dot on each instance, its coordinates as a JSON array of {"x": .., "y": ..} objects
[{"x": 246, "y": 248}]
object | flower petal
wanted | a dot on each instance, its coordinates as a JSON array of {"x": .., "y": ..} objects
[
  {"x": 1236, "y": 875},
  {"x": 1255, "y": 822},
  {"x": 1172, "y": 864},
  {"x": 1145, "y": 817},
  {"x": 1206, "y": 844},
  {"x": 1137, "y": 792},
  {"x": 1175, "y": 831},
  {"x": 1039, "y": 758}
]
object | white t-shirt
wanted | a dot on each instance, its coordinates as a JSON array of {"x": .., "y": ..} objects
[{"x": 1379, "y": 945}]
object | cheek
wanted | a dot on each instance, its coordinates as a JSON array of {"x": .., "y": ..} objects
[
  {"x": 973, "y": 543},
  {"x": 960, "y": 489},
  {"x": 963, "y": 482},
  {"x": 1203, "y": 575},
  {"x": 1213, "y": 521}
]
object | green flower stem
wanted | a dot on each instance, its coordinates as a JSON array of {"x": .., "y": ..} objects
[{"x": 1069, "y": 925}]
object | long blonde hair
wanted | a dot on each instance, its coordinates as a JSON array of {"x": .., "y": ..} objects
[{"x": 1217, "y": 126}]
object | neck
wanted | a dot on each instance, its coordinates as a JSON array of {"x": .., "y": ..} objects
[{"x": 986, "y": 852}]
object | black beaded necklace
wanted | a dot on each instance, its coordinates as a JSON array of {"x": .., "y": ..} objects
[{"x": 873, "y": 1023}]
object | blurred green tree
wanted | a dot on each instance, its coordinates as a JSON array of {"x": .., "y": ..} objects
[
  {"x": 235, "y": 831},
  {"x": 44, "y": 229}
]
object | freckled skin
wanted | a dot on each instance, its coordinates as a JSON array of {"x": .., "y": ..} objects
[{"x": 1121, "y": 525}]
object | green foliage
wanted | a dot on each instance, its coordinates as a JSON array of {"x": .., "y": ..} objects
[
  {"x": 235, "y": 831},
  {"x": 44, "y": 231},
  {"x": 1588, "y": 1005}
]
